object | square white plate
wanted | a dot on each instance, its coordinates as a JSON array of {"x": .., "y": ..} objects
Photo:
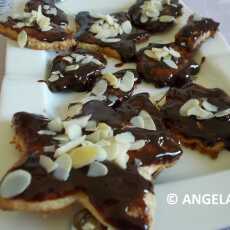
[{"x": 194, "y": 172}]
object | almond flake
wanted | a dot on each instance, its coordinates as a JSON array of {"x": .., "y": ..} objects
[
  {"x": 61, "y": 138},
  {"x": 223, "y": 113},
  {"x": 138, "y": 145},
  {"x": 91, "y": 126},
  {"x": 15, "y": 183},
  {"x": 55, "y": 125},
  {"x": 148, "y": 121},
  {"x": 144, "y": 19},
  {"x": 112, "y": 79},
  {"x": 84, "y": 155},
  {"x": 47, "y": 163},
  {"x": 80, "y": 121},
  {"x": 111, "y": 40},
  {"x": 189, "y": 104},
  {"x": 68, "y": 146},
  {"x": 100, "y": 88},
  {"x": 73, "y": 131},
  {"x": 63, "y": 170},
  {"x": 97, "y": 169},
  {"x": 166, "y": 18},
  {"x": 126, "y": 137},
  {"x": 70, "y": 68},
  {"x": 22, "y": 39},
  {"x": 170, "y": 63},
  {"x": 126, "y": 27},
  {"x": 46, "y": 132},
  {"x": 208, "y": 106},
  {"x": 138, "y": 122},
  {"x": 127, "y": 82},
  {"x": 68, "y": 59}
]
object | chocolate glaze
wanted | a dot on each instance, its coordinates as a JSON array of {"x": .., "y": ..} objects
[
  {"x": 208, "y": 131},
  {"x": 104, "y": 192},
  {"x": 59, "y": 19},
  {"x": 191, "y": 36},
  {"x": 82, "y": 79},
  {"x": 160, "y": 74},
  {"x": 174, "y": 9},
  {"x": 126, "y": 47},
  {"x": 55, "y": 34}
]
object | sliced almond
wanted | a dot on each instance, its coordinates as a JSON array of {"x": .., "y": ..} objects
[
  {"x": 100, "y": 88},
  {"x": 127, "y": 27},
  {"x": 70, "y": 68},
  {"x": 91, "y": 126},
  {"x": 80, "y": 121},
  {"x": 170, "y": 63},
  {"x": 199, "y": 113},
  {"x": 56, "y": 125},
  {"x": 83, "y": 156},
  {"x": 68, "y": 146},
  {"x": 138, "y": 145},
  {"x": 166, "y": 18},
  {"x": 15, "y": 183},
  {"x": 111, "y": 40},
  {"x": 22, "y": 39},
  {"x": 68, "y": 59},
  {"x": 74, "y": 110},
  {"x": 73, "y": 131},
  {"x": 208, "y": 106},
  {"x": 61, "y": 138},
  {"x": 138, "y": 122},
  {"x": 97, "y": 169},
  {"x": 126, "y": 137},
  {"x": 47, "y": 163},
  {"x": 112, "y": 79},
  {"x": 127, "y": 82},
  {"x": 148, "y": 121},
  {"x": 223, "y": 113},
  {"x": 63, "y": 170},
  {"x": 188, "y": 105},
  {"x": 46, "y": 132}
]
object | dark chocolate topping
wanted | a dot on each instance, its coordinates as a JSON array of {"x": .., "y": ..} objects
[
  {"x": 209, "y": 131},
  {"x": 174, "y": 9},
  {"x": 191, "y": 36},
  {"x": 126, "y": 47},
  {"x": 160, "y": 74},
  {"x": 104, "y": 192},
  {"x": 55, "y": 34},
  {"x": 60, "y": 18},
  {"x": 81, "y": 79}
]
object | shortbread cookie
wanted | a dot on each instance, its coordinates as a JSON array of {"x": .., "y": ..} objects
[
  {"x": 155, "y": 15},
  {"x": 199, "y": 117},
  {"x": 75, "y": 71},
  {"x": 36, "y": 31},
  {"x": 197, "y": 30},
  {"x": 77, "y": 161},
  {"x": 112, "y": 34},
  {"x": 49, "y": 9},
  {"x": 166, "y": 65}
]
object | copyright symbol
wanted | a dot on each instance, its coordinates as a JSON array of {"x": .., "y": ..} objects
[{"x": 172, "y": 199}]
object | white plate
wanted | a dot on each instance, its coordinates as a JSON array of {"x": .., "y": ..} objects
[{"x": 193, "y": 173}]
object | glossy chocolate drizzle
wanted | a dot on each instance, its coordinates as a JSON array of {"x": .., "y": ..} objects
[
  {"x": 60, "y": 18},
  {"x": 160, "y": 74},
  {"x": 173, "y": 9},
  {"x": 81, "y": 79},
  {"x": 195, "y": 32},
  {"x": 57, "y": 33},
  {"x": 104, "y": 192},
  {"x": 208, "y": 131},
  {"x": 126, "y": 47}
]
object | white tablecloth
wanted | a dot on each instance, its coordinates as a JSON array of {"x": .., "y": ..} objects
[{"x": 217, "y": 9}]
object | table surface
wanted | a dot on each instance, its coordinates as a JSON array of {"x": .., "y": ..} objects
[{"x": 217, "y": 9}]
